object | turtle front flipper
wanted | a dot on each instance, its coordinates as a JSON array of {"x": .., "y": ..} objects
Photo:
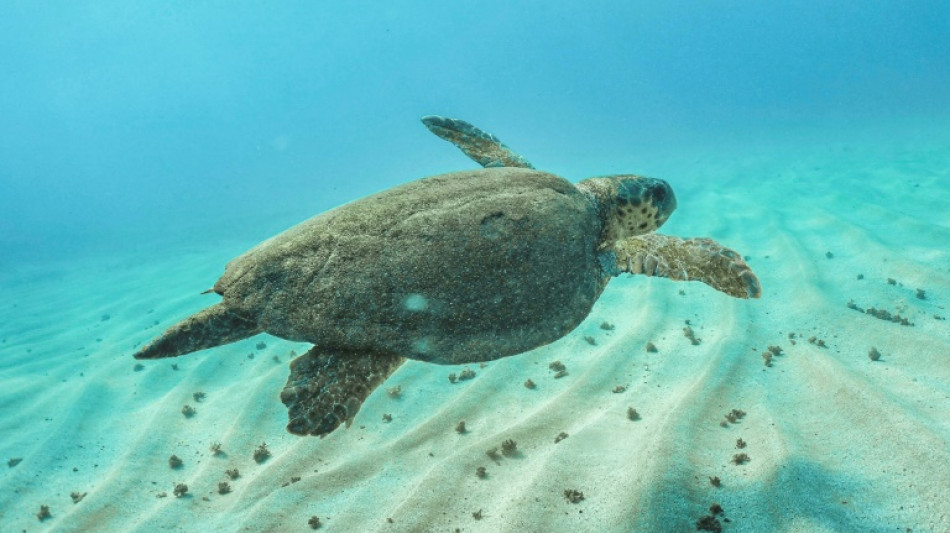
[
  {"x": 679, "y": 259},
  {"x": 483, "y": 147},
  {"x": 205, "y": 329},
  {"x": 327, "y": 388}
]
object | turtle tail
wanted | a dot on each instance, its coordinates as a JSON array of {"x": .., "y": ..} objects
[{"x": 206, "y": 329}]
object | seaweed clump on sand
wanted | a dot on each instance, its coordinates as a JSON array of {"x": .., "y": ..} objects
[
  {"x": 732, "y": 417},
  {"x": 881, "y": 314},
  {"x": 741, "y": 458},
  {"x": 573, "y": 496},
  {"x": 43, "y": 513},
  {"x": 817, "y": 342},
  {"x": 464, "y": 375},
  {"x": 261, "y": 454},
  {"x": 560, "y": 370},
  {"x": 691, "y": 335},
  {"x": 709, "y": 523},
  {"x": 774, "y": 351}
]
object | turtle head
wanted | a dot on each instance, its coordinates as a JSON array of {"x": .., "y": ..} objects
[{"x": 629, "y": 205}]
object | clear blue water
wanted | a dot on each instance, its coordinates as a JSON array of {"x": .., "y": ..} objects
[
  {"x": 130, "y": 121},
  {"x": 143, "y": 144}
]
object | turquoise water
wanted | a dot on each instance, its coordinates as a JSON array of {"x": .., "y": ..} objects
[
  {"x": 126, "y": 122},
  {"x": 145, "y": 145}
]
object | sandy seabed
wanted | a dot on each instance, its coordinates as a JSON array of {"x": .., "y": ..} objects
[{"x": 835, "y": 441}]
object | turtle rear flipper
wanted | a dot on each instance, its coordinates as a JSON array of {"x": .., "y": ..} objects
[
  {"x": 699, "y": 259},
  {"x": 481, "y": 146},
  {"x": 327, "y": 388},
  {"x": 206, "y": 329}
]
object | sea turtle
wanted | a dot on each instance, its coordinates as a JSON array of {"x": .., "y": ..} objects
[{"x": 457, "y": 268}]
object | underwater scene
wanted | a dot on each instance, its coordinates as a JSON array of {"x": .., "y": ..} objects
[{"x": 475, "y": 266}]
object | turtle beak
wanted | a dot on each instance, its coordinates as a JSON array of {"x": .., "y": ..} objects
[{"x": 664, "y": 200}]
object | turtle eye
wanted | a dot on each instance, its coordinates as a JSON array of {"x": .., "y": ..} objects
[{"x": 659, "y": 194}]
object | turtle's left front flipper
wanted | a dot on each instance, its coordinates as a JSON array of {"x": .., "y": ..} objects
[
  {"x": 679, "y": 259},
  {"x": 327, "y": 387},
  {"x": 481, "y": 146}
]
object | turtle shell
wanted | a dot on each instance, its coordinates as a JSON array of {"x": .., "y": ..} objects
[{"x": 456, "y": 268}]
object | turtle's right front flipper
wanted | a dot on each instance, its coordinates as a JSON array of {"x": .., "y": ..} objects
[
  {"x": 483, "y": 147},
  {"x": 679, "y": 259},
  {"x": 206, "y": 329},
  {"x": 327, "y": 387}
]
